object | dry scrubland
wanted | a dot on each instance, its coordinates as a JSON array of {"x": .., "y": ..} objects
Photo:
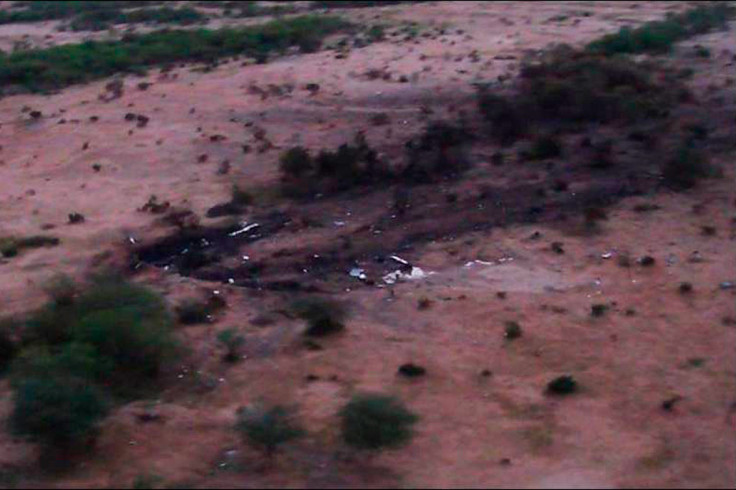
[{"x": 414, "y": 244}]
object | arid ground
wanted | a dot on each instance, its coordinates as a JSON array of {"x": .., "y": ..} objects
[{"x": 485, "y": 418}]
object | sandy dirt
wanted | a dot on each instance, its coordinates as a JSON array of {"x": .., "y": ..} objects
[{"x": 612, "y": 434}]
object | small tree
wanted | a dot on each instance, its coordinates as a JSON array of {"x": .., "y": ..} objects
[
  {"x": 374, "y": 422},
  {"x": 267, "y": 429}
]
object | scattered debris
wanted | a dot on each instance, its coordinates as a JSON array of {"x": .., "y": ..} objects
[{"x": 246, "y": 228}]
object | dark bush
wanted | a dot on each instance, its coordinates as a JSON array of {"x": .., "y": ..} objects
[
  {"x": 512, "y": 330},
  {"x": 192, "y": 312},
  {"x": 296, "y": 163},
  {"x": 10, "y": 247},
  {"x": 125, "y": 324},
  {"x": 8, "y": 348},
  {"x": 563, "y": 385},
  {"x": 507, "y": 120},
  {"x": 57, "y": 410},
  {"x": 438, "y": 152},
  {"x": 232, "y": 341},
  {"x": 686, "y": 167},
  {"x": 267, "y": 429},
  {"x": 376, "y": 422},
  {"x": 323, "y": 317}
]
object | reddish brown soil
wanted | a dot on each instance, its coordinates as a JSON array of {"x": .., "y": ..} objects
[{"x": 611, "y": 434}]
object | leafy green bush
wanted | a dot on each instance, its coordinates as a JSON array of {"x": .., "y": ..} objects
[
  {"x": 659, "y": 36},
  {"x": 64, "y": 65},
  {"x": 126, "y": 324},
  {"x": 57, "y": 410},
  {"x": 267, "y": 429},
  {"x": 72, "y": 360},
  {"x": 375, "y": 422},
  {"x": 109, "y": 339}
]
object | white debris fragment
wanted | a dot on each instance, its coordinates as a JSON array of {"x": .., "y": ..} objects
[
  {"x": 231, "y": 281},
  {"x": 607, "y": 255},
  {"x": 399, "y": 259},
  {"x": 339, "y": 223},
  {"x": 358, "y": 273},
  {"x": 246, "y": 228},
  {"x": 727, "y": 285},
  {"x": 132, "y": 240},
  {"x": 396, "y": 276}
]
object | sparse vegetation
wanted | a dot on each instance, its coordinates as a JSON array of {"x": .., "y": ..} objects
[
  {"x": 59, "y": 66},
  {"x": 566, "y": 87},
  {"x": 435, "y": 153},
  {"x": 37, "y": 10},
  {"x": 375, "y": 422},
  {"x": 98, "y": 20},
  {"x": 267, "y": 429},
  {"x": 659, "y": 36},
  {"x": 10, "y": 246}
]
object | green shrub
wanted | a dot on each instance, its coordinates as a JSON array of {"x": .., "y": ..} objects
[
  {"x": 10, "y": 246},
  {"x": 57, "y": 410},
  {"x": 659, "y": 36},
  {"x": 126, "y": 324},
  {"x": 323, "y": 317},
  {"x": 232, "y": 341},
  {"x": 70, "y": 360},
  {"x": 137, "y": 345},
  {"x": 376, "y": 422},
  {"x": 267, "y": 429},
  {"x": 60, "y": 66}
]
